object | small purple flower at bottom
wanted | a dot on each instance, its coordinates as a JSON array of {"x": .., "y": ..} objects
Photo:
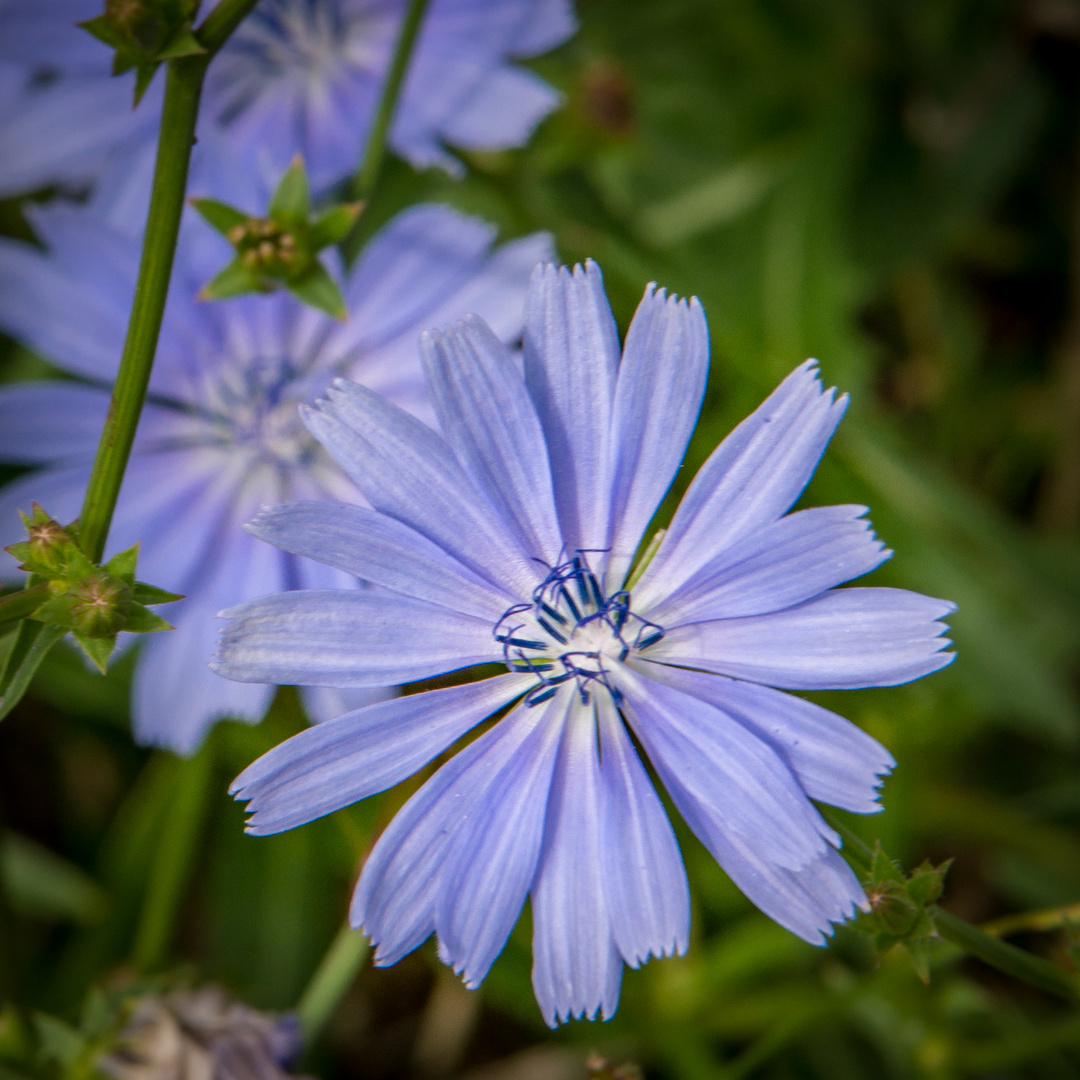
[{"x": 510, "y": 538}]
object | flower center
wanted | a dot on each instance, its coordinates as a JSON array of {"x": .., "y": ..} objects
[{"x": 571, "y": 631}]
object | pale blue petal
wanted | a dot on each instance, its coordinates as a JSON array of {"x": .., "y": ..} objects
[
  {"x": 322, "y": 703},
  {"x": 408, "y": 270},
  {"x": 406, "y": 471},
  {"x": 176, "y": 698},
  {"x": 50, "y": 421},
  {"x": 341, "y": 761},
  {"x": 647, "y": 891},
  {"x": 491, "y": 858},
  {"x": 749, "y": 481},
  {"x": 834, "y": 761},
  {"x": 550, "y": 23},
  {"x": 361, "y": 638},
  {"x": 485, "y": 414},
  {"x": 379, "y": 549},
  {"x": 734, "y": 776},
  {"x": 658, "y": 397},
  {"x": 576, "y": 966},
  {"x": 394, "y": 901},
  {"x": 502, "y": 112},
  {"x": 779, "y": 566},
  {"x": 571, "y": 362},
  {"x": 843, "y": 640},
  {"x": 78, "y": 325}
]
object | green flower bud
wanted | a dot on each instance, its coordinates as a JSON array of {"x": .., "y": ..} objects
[{"x": 99, "y": 604}]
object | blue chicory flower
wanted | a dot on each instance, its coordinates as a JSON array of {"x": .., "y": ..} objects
[
  {"x": 220, "y": 435},
  {"x": 297, "y": 76},
  {"x": 508, "y": 539}
]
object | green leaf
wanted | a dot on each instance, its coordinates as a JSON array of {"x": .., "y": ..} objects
[
  {"x": 122, "y": 564},
  {"x": 319, "y": 290},
  {"x": 39, "y": 883},
  {"x": 182, "y": 43},
  {"x": 102, "y": 29},
  {"x": 234, "y": 280},
  {"x": 142, "y": 593},
  {"x": 219, "y": 215},
  {"x": 144, "y": 76},
  {"x": 141, "y": 620},
  {"x": 291, "y": 202},
  {"x": 333, "y": 226},
  {"x": 32, "y": 644},
  {"x": 59, "y": 1041},
  {"x": 99, "y": 649}
]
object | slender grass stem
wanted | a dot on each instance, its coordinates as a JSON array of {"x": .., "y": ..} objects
[
  {"x": 173, "y": 858},
  {"x": 375, "y": 149},
  {"x": 332, "y": 978},
  {"x": 1040, "y": 921}
]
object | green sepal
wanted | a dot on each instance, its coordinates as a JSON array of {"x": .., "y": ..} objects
[
  {"x": 234, "y": 280},
  {"x": 141, "y": 593},
  {"x": 99, "y": 649},
  {"x": 144, "y": 76},
  {"x": 122, "y": 564},
  {"x": 290, "y": 204},
  {"x": 55, "y": 612},
  {"x": 333, "y": 226},
  {"x": 220, "y": 216},
  {"x": 319, "y": 290},
  {"x": 182, "y": 43},
  {"x": 102, "y": 29},
  {"x": 141, "y": 620}
]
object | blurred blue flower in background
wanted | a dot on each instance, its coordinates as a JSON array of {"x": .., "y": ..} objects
[
  {"x": 220, "y": 435},
  {"x": 298, "y": 76},
  {"x": 508, "y": 539}
]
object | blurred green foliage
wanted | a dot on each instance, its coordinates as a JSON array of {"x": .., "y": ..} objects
[{"x": 892, "y": 186}]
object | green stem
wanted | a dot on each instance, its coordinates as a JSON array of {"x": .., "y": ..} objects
[
  {"x": 174, "y": 855},
  {"x": 183, "y": 86},
  {"x": 1039, "y": 921},
  {"x": 17, "y": 605},
  {"x": 375, "y": 150},
  {"x": 331, "y": 980},
  {"x": 1005, "y": 957}
]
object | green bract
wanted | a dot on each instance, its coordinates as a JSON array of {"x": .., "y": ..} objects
[
  {"x": 95, "y": 603},
  {"x": 282, "y": 248},
  {"x": 144, "y": 33}
]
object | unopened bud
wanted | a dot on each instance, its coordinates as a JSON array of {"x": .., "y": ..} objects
[{"x": 49, "y": 544}]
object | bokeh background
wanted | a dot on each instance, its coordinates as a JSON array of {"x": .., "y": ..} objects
[{"x": 892, "y": 186}]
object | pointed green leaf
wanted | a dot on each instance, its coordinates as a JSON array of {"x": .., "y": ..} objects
[
  {"x": 144, "y": 75},
  {"x": 142, "y": 593},
  {"x": 141, "y": 620},
  {"x": 33, "y": 642},
  {"x": 234, "y": 280},
  {"x": 40, "y": 882},
  {"x": 319, "y": 290},
  {"x": 55, "y": 612},
  {"x": 122, "y": 564},
  {"x": 102, "y": 29},
  {"x": 219, "y": 215},
  {"x": 99, "y": 649},
  {"x": 333, "y": 226},
  {"x": 291, "y": 202},
  {"x": 182, "y": 43}
]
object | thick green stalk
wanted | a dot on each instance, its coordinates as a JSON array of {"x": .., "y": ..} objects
[
  {"x": 183, "y": 86},
  {"x": 375, "y": 149},
  {"x": 176, "y": 136}
]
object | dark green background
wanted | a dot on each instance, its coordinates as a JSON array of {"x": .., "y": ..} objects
[{"x": 892, "y": 186}]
